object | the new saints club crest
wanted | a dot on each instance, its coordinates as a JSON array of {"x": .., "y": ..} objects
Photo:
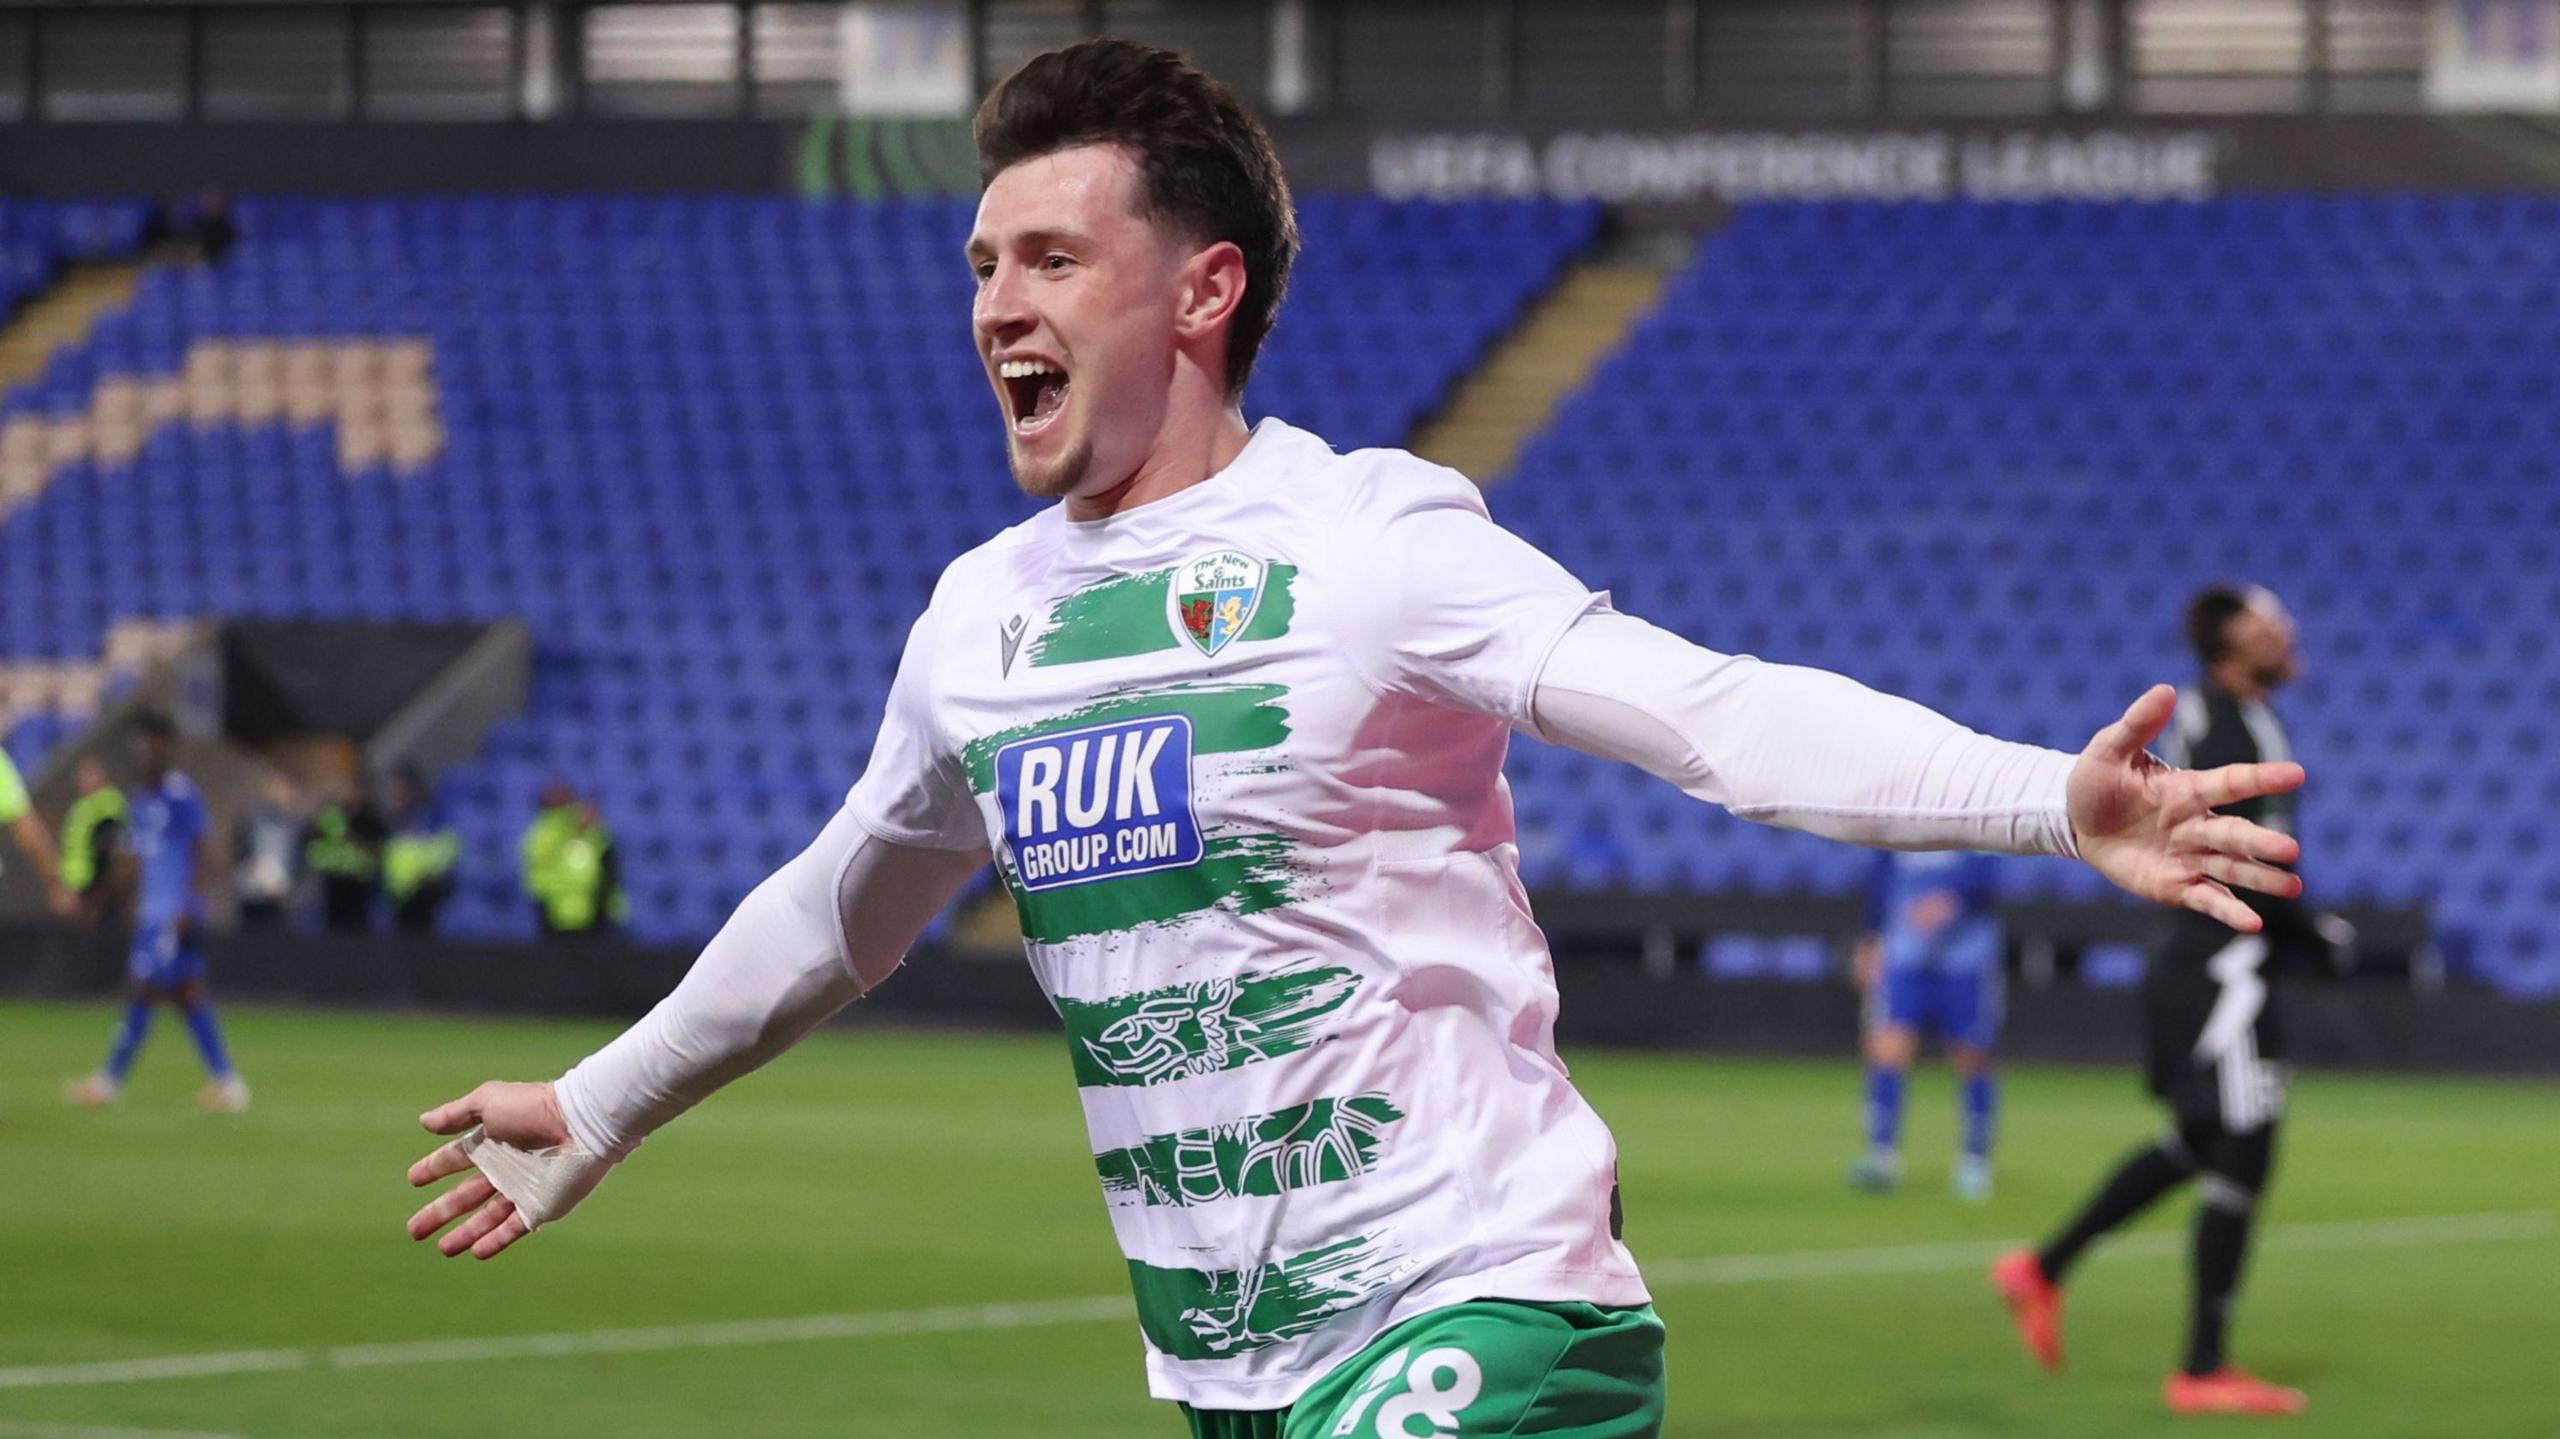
[{"x": 1214, "y": 597}]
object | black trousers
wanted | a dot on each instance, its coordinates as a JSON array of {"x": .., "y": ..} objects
[{"x": 346, "y": 904}]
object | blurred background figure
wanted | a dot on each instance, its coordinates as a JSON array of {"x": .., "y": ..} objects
[
  {"x": 555, "y": 818},
  {"x": 419, "y": 856},
  {"x": 267, "y": 846},
  {"x": 1930, "y": 964},
  {"x": 165, "y": 850},
  {"x": 593, "y": 865},
  {"x": 2213, "y": 1032},
  {"x": 571, "y": 871},
  {"x": 344, "y": 848},
  {"x": 92, "y": 830},
  {"x": 208, "y": 232},
  {"x": 19, "y": 814}
]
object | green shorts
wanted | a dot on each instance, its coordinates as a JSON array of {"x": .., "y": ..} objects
[{"x": 1493, "y": 1368}]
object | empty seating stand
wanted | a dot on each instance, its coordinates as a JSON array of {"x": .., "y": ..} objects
[
  {"x": 1980, "y": 454},
  {"x": 39, "y": 237}
]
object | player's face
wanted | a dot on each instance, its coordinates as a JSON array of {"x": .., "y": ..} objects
[
  {"x": 2262, "y": 636},
  {"x": 151, "y": 755},
  {"x": 1077, "y": 293}
]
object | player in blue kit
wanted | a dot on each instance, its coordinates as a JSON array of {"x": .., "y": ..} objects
[
  {"x": 165, "y": 843},
  {"x": 1930, "y": 964}
]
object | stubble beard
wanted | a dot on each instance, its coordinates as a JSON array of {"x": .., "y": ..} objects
[{"x": 1058, "y": 479}]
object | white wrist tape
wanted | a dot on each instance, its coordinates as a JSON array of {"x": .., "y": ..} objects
[{"x": 543, "y": 1184}]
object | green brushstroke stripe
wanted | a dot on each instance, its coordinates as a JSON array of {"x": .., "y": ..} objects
[
  {"x": 1205, "y": 1027},
  {"x": 1219, "y": 1313},
  {"x": 1237, "y": 874},
  {"x": 1129, "y": 615},
  {"x": 1324, "y": 1142},
  {"x": 1224, "y": 719}
]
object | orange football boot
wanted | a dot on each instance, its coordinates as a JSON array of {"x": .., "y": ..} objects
[
  {"x": 2033, "y": 1302},
  {"x": 2231, "y": 1391}
]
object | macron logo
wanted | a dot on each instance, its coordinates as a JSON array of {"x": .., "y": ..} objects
[{"x": 1099, "y": 803}]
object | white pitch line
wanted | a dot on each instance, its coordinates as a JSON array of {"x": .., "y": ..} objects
[
  {"x": 167, "y": 1366},
  {"x": 865, "y": 1324},
  {"x": 1722, "y": 1269},
  {"x": 14, "y": 1430},
  {"x": 746, "y": 1331}
]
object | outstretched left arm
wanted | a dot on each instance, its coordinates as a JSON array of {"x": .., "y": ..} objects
[{"x": 1810, "y": 750}]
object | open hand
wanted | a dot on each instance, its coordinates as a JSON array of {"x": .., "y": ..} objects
[
  {"x": 524, "y": 1115},
  {"x": 2152, "y": 830}
]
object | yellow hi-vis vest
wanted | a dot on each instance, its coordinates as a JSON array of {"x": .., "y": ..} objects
[{"x": 80, "y": 835}]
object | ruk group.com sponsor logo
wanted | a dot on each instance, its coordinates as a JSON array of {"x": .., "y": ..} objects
[{"x": 1103, "y": 802}]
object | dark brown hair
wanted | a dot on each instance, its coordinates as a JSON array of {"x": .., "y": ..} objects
[
  {"x": 1208, "y": 166},
  {"x": 2209, "y": 617}
]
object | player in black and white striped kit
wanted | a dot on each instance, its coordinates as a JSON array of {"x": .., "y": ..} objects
[{"x": 2213, "y": 1030}]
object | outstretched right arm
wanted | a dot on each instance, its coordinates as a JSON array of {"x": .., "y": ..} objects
[{"x": 817, "y": 935}]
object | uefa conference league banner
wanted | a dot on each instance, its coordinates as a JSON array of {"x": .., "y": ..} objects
[
  {"x": 1670, "y": 175},
  {"x": 1634, "y": 168},
  {"x": 1676, "y": 176}
]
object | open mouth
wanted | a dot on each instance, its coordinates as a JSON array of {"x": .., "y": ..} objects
[{"x": 1035, "y": 392}]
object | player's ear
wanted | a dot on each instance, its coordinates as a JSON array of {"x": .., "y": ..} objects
[{"x": 1212, "y": 284}]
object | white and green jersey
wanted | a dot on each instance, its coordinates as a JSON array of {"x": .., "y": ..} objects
[{"x": 1238, "y": 753}]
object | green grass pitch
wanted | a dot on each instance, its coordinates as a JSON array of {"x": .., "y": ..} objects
[{"x": 888, "y": 1172}]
